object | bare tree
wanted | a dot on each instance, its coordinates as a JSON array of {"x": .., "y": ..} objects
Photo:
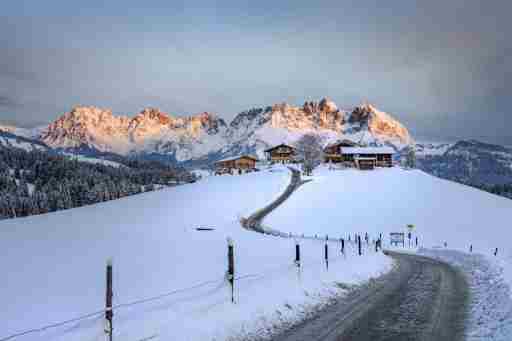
[
  {"x": 309, "y": 152},
  {"x": 408, "y": 157}
]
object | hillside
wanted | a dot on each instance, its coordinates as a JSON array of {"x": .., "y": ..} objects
[
  {"x": 471, "y": 162},
  {"x": 341, "y": 202},
  {"x": 156, "y": 250}
]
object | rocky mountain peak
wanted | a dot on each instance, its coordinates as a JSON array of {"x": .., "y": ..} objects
[
  {"x": 379, "y": 123},
  {"x": 327, "y": 105},
  {"x": 154, "y": 114},
  {"x": 207, "y": 121},
  {"x": 203, "y": 134}
]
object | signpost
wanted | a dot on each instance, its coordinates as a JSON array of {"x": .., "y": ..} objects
[
  {"x": 397, "y": 238},
  {"x": 410, "y": 228}
]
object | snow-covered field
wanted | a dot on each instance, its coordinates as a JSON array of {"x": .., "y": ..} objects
[
  {"x": 53, "y": 266},
  {"x": 386, "y": 200}
]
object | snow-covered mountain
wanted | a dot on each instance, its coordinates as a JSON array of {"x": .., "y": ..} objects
[
  {"x": 470, "y": 162},
  {"x": 205, "y": 136},
  {"x": 11, "y": 140}
]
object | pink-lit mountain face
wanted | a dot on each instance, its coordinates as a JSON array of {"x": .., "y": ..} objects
[{"x": 203, "y": 135}]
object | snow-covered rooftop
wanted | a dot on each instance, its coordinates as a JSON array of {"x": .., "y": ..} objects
[
  {"x": 367, "y": 150},
  {"x": 238, "y": 157}
]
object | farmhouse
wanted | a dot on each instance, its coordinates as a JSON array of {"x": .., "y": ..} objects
[
  {"x": 368, "y": 157},
  {"x": 236, "y": 164},
  {"x": 281, "y": 153},
  {"x": 332, "y": 152}
]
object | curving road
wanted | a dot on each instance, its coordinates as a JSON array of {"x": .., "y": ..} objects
[
  {"x": 253, "y": 222},
  {"x": 422, "y": 299}
]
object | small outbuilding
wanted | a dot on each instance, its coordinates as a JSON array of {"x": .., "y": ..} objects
[
  {"x": 282, "y": 153},
  {"x": 237, "y": 164}
]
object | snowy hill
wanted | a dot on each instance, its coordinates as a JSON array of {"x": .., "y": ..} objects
[
  {"x": 175, "y": 274},
  {"x": 55, "y": 266},
  {"x": 206, "y": 137},
  {"x": 337, "y": 202}
]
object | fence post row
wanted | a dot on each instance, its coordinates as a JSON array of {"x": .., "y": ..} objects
[
  {"x": 231, "y": 268},
  {"x": 109, "y": 314}
]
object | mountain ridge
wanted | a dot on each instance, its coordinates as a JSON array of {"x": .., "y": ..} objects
[{"x": 206, "y": 136}]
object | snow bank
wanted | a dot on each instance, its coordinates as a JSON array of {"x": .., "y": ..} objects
[
  {"x": 490, "y": 315},
  {"x": 54, "y": 266}
]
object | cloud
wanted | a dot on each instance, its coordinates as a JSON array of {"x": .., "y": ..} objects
[
  {"x": 7, "y": 102},
  {"x": 442, "y": 66}
]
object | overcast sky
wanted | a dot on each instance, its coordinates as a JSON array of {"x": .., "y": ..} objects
[{"x": 441, "y": 67}]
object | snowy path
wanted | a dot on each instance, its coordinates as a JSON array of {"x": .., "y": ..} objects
[
  {"x": 422, "y": 299},
  {"x": 254, "y": 221}
]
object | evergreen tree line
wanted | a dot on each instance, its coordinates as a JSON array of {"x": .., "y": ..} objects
[
  {"x": 504, "y": 190},
  {"x": 38, "y": 182}
]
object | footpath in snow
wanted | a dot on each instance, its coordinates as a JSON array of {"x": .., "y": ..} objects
[
  {"x": 175, "y": 276},
  {"x": 386, "y": 200}
]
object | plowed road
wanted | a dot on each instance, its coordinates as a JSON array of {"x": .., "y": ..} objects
[{"x": 422, "y": 299}]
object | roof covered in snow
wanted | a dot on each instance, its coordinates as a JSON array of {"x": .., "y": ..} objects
[
  {"x": 367, "y": 150},
  {"x": 278, "y": 146},
  {"x": 238, "y": 157}
]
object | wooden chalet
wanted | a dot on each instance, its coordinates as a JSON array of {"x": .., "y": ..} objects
[
  {"x": 282, "y": 153},
  {"x": 332, "y": 152},
  {"x": 242, "y": 163},
  {"x": 368, "y": 157}
]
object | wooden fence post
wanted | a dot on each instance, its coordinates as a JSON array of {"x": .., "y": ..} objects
[
  {"x": 359, "y": 245},
  {"x": 297, "y": 255},
  {"x": 471, "y": 248},
  {"x": 326, "y": 254},
  {"x": 109, "y": 314},
  {"x": 342, "y": 245},
  {"x": 231, "y": 268},
  {"x": 496, "y": 252}
]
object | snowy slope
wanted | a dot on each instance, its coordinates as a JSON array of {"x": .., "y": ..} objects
[
  {"x": 54, "y": 265},
  {"x": 386, "y": 200},
  {"x": 10, "y": 140},
  {"x": 424, "y": 149},
  {"x": 471, "y": 162},
  {"x": 33, "y": 133},
  {"x": 93, "y": 160}
]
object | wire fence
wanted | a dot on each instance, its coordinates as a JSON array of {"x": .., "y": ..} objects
[{"x": 224, "y": 280}]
